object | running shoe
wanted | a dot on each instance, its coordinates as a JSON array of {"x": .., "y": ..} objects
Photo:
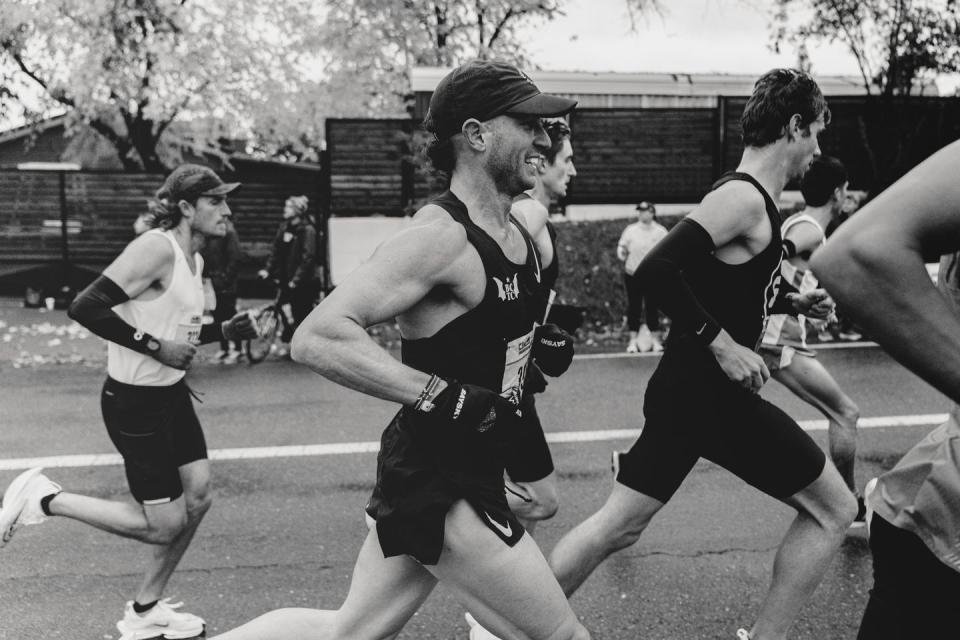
[
  {"x": 21, "y": 501},
  {"x": 231, "y": 357},
  {"x": 850, "y": 336},
  {"x": 161, "y": 621},
  {"x": 221, "y": 354},
  {"x": 632, "y": 347},
  {"x": 476, "y": 631},
  {"x": 743, "y": 634}
]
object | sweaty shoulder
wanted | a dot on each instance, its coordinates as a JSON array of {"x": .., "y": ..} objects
[{"x": 433, "y": 239}]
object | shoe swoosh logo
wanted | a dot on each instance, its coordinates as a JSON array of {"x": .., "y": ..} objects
[{"x": 505, "y": 530}]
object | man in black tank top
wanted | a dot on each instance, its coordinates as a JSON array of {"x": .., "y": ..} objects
[
  {"x": 532, "y": 484},
  {"x": 716, "y": 275},
  {"x": 461, "y": 281}
]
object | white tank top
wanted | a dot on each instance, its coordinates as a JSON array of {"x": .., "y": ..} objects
[
  {"x": 783, "y": 329},
  {"x": 176, "y": 315}
]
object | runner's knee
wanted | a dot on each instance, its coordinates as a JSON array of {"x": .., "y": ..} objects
[
  {"x": 198, "y": 503},
  {"x": 165, "y": 530},
  {"x": 622, "y": 530},
  {"x": 542, "y": 505}
]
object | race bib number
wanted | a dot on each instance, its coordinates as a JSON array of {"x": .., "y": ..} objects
[
  {"x": 515, "y": 367},
  {"x": 189, "y": 328}
]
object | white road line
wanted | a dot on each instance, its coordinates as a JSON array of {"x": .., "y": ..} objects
[
  {"x": 650, "y": 354},
  {"x": 343, "y": 448}
]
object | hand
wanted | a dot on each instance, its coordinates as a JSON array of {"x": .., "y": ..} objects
[
  {"x": 239, "y": 327},
  {"x": 262, "y": 274},
  {"x": 815, "y": 304},
  {"x": 742, "y": 366},
  {"x": 178, "y": 355},
  {"x": 470, "y": 428},
  {"x": 552, "y": 349}
]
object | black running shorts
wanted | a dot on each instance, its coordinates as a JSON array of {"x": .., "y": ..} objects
[
  {"x": 694, "y": 411},
  {"x": 529, "y": 459},
  {"x": 417, "y": 483},
  {"x": 156, "y": 431}
]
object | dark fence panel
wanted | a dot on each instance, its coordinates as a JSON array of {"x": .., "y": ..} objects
[
  {"x": 100, "y": 208},
  {"x": 627, "y": 155}
]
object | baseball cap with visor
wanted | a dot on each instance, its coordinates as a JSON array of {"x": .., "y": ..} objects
[
  {"x": 190, "y": 181},
  {"x": 485, "y": 89}
]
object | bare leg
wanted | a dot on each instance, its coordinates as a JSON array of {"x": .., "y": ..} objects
[
  {"x": 195, "y": 478},
  {"x": 384, "y": 593},
  {"x": 510, "y": 590},
  {"x": 811, "y": 382},
  {"x": 617, "y": 525},
  {"x": 826, "y": 509},
  {"x": 539, "y": 500}
]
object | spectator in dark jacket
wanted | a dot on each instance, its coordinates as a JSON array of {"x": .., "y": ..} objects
[
  {"x": 293, "y": 261},
  {"x": 221, "y": 261}
]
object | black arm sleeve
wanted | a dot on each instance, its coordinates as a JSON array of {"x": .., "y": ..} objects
[
  {"x": 661, "y": 273},
  {"x": 212, "y": 332},
  {"x": 93, "y": 308}
]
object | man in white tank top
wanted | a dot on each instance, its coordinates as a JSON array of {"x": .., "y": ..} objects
[
  {"x": 874, "y": 266},
  {"x": 148, "y": 305},
  {"x": 784, "y": 345}
]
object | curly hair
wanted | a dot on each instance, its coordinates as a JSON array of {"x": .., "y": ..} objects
[
  {"x": 165, "y": 211},
  {"x": 557, "y": 131},
  {"x": 777, "y": 96}
]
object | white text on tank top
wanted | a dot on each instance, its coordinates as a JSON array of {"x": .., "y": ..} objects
[{"x": 177, "y": 314}]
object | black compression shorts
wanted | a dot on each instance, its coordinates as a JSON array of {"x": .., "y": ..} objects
[
  {"x": 693, "y": 411},
  {"x": 529, "y": 459},
  {"x": 156, "y": 431}
]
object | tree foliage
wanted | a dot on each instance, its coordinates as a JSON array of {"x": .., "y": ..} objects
[
  {"x": 898, "y": 44},
  {"x": 130, "y": 68}
]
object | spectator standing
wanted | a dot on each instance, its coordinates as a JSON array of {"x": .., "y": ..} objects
[
  {"x": 635, "y": 242},
  {"x": 293, "y": 261},
  {"x": 221, "y": 259}
]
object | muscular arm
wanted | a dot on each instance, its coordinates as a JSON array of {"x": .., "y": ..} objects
[
  {"x": 403, "y": 271},
  {"x": 874, "y": 266}
]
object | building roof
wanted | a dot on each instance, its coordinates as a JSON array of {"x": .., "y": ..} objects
[{"x": 586, "y": 83}]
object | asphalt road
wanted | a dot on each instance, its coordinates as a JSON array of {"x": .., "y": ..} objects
[{"x": 284, "y": 531}]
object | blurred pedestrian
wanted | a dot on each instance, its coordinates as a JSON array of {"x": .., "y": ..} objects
[
  {"x": 221, "y": 262},
  {"x": 293, "y": 262},
  {"x": 635, "y": 242}
]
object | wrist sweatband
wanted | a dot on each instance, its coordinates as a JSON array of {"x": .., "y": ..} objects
[
  {"x": 661, "y": 274},
  {"x": 93, "y": 308}
]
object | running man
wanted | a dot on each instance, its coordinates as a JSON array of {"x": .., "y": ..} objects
[
  {"x": 716, "y": 275},
  {"x": 874, "y": 266},
  {"x": 148, "y": 305},
  {"x": 462, "y": 281},
  {"x": 784, "y": 343},
  {"x": 532, "y": 481}
]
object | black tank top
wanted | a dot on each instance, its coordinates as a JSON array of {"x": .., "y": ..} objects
[
  {"x": 489, "y": 345},
  {"x": 739, "y": 296}
]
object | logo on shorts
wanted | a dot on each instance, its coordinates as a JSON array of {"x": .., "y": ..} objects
[
  {"x": 457, "y": 409},
  {"x": 508, "y": 290},
  {"x": 507, "y": 530}
]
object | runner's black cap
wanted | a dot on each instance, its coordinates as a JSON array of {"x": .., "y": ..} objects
[{"x": 485, "y": 89}]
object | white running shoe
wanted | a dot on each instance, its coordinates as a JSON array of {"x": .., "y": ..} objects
[
  {"x": 743, "y": 634},
  {"x": 476, "y": 631},
  {"x": 21, "y": 501},
  {"x": 162, "y": 621}
]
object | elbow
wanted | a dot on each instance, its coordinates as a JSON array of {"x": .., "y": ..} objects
[{"x": 73, "y": 311}]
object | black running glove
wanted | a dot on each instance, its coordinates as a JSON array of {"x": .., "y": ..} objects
[{"x": 552, "y": 349}]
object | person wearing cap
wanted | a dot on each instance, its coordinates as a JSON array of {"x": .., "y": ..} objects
[
  {"x": 461, "y": 280},
  {"x": 148, "y": 305},
  {"x": 634, "y": 244},
  {"x": 293, "y": 261}
]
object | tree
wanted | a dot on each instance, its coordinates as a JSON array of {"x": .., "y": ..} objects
[
  {"x": 898, "y": 44},
  {"x": 130, "y": 68}
]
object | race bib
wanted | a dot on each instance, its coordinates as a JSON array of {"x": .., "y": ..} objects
[
  {"x": 189, "y": 328},
  {"x": 515, "y": 367}
]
